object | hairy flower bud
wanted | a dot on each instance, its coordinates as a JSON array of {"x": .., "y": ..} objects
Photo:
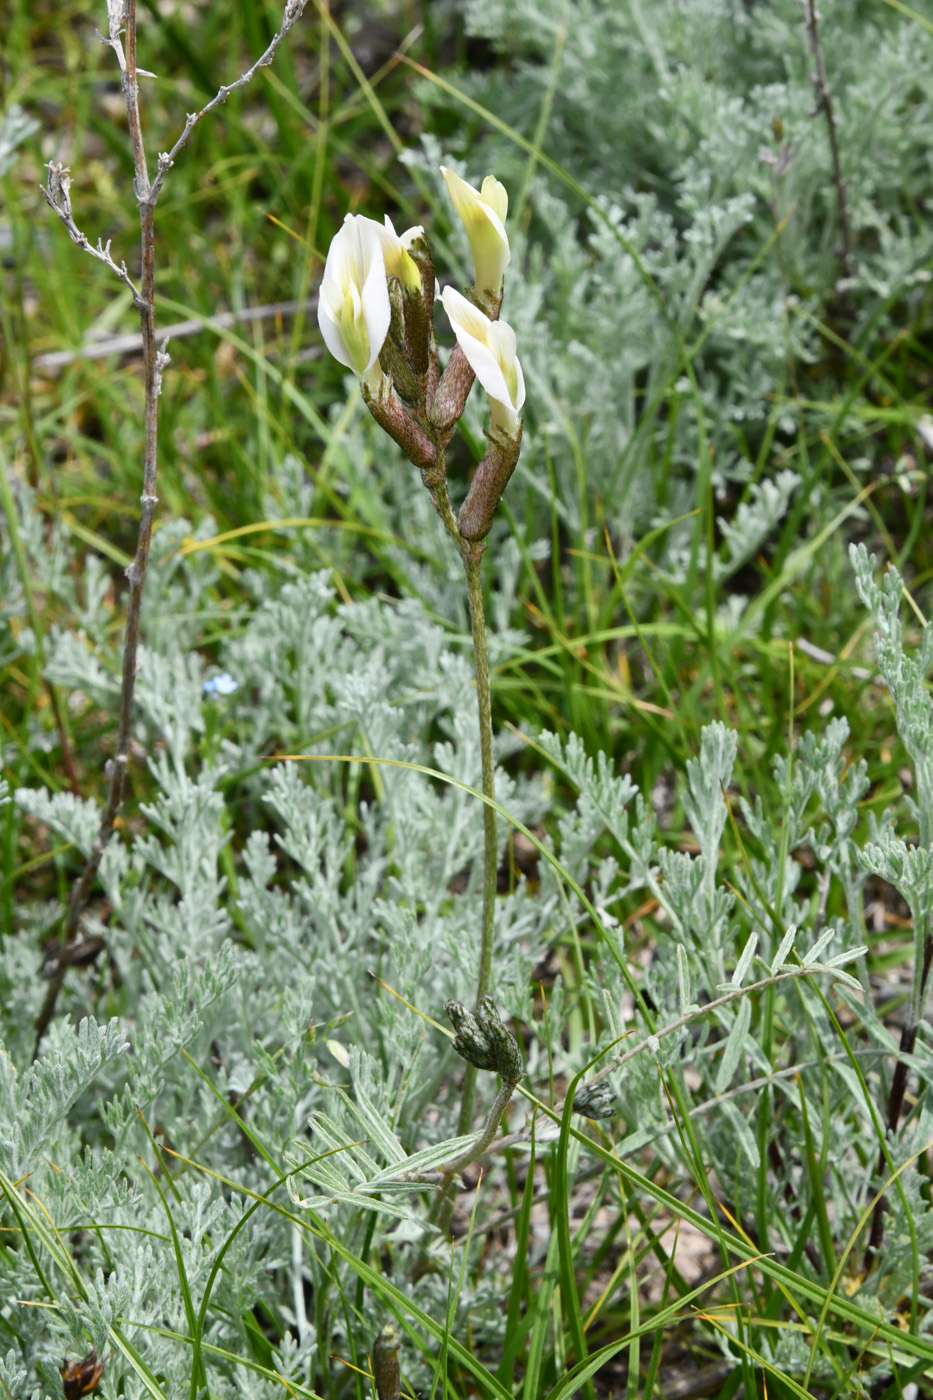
[
  {"x": 595, "y": 1101},
  {"x": 504, "y": 1047},
  {"x": 482, "y": 1040}
]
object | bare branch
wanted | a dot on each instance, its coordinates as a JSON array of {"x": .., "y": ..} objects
[
  {"x": 824, "y": 104},
  {"x": 290, "y": 17},
  {"x": 101, "y": 344},
  {"x": 56, "y": 193},
  {"x": 122, "y": 19}
]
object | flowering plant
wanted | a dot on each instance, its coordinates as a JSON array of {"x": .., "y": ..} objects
[{"x": 376, "y": 314}]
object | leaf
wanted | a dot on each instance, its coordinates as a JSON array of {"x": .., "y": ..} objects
[
  {"x": 787, "y": 942},
  {"x": 744, "y": 962},
  {"x": 734, "y": 1046}
]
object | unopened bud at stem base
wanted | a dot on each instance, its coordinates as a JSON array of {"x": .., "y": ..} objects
[{"x": 489, "y": 482}]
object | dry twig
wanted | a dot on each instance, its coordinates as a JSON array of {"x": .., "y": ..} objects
[
  {"x": 122, "y": 34},
  {"x": 824, "y": 104}
]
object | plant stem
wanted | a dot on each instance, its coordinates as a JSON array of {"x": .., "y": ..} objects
[
  {"x": 154, "y": 361},
  {"x": 471, "y": 554},
  {"x": 824, "y": 103},
  {"x": 472, "y": 559},
  {"x": 483, "y": 1142}
]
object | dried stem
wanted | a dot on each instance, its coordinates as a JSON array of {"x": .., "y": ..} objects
[
  {"x": 292, "y": 14},
  {"x": 123, "y": 22},
  {"x": 896, "y": 1097},
  {"x": 101, "y": 345},
  {"x": 824, "y": 103}
]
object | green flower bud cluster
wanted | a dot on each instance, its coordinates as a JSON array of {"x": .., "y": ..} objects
[
  {"x": 595, "y": 1100},
  {"x": 482, "y": 1040}
]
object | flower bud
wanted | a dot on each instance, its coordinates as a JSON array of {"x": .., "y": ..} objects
[
  {"x": 482, "y": 1040},
  {"x": 483, "y": 213},
  {"x": 471, "y": 1041},
  {"x": 595, "y": 1100},
  {"x": 504, "y": 1047},
  {"x": 385, "y": 1363}
]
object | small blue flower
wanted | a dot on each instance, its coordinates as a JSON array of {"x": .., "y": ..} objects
[{"x": 224, "y": 684}]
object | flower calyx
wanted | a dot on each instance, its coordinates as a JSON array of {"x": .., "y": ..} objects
[
  {"x": 391, "y": 415},
  {"x": 489, "y": 482}
]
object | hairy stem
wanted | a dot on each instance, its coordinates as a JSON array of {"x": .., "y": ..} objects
[
  {"x": 471, "y": 553},
  {"x": 435, "y": 479},
  {"x": 482, "y": 1143},
  {"x": 472, "y": 559}
]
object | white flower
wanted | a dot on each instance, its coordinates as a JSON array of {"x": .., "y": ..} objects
[
  {"x": 489, "y": 347},
  {"x": 483, "y": 213},
  {"x": 398, "y": 260},
  {"x": 353, "y": 306}
]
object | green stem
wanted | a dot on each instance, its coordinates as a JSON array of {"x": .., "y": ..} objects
[
  {"x": 435, "y": 479},
  {"x": 471, "y": 552},
  {"x": 484, "y": 1141},
  {"x": 471, "y": 561},
  {"x": 472, "y": 555}
]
